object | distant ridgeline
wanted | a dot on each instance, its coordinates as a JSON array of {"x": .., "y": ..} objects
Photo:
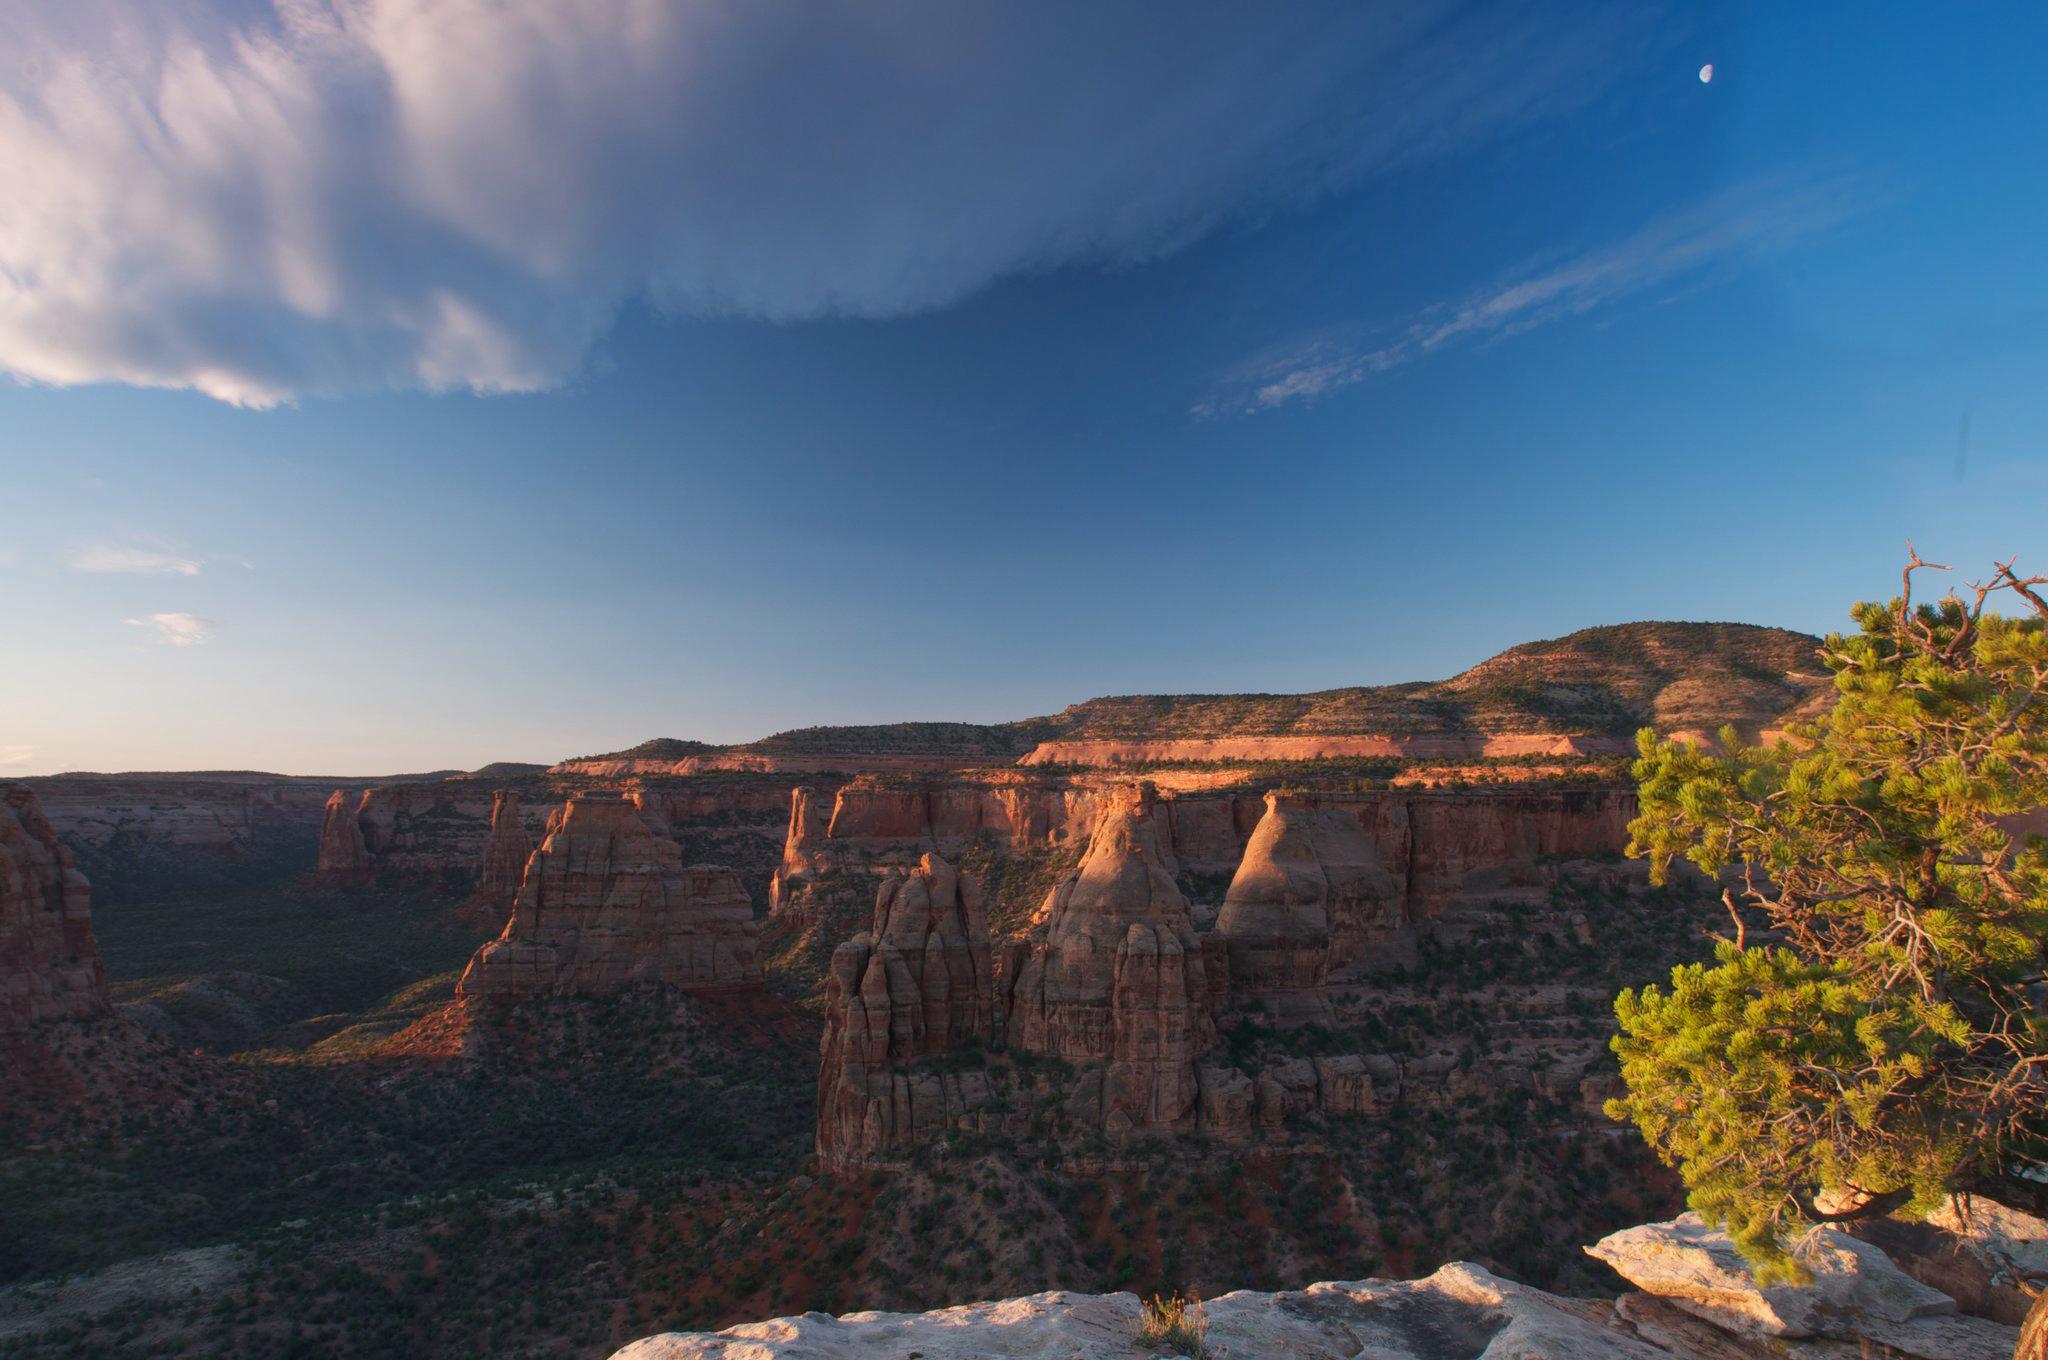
[{"x": 1586, "y": 693}]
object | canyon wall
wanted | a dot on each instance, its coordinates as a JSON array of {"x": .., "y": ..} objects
[
  {"x": 437, "y": 831},
  {"x": 1438, "y": 846},
  {"x": 1101, "y": 752},
  {"x": 1121, "y": 975},
  {"x": 606, "y": 903},
  {"x": 343, "y": 859},
  {"x": 452, "y": 831},
  {"x": 750, "y": 762},
  {"x": 1328, "y": 888},
  {"x": 49, "y": 962},
  {"x": 506, "y": 850},
  {"x": 1309, "y": 896},
  {"x": 222, "y": 816},
  {"x": 917, "y": 985}
]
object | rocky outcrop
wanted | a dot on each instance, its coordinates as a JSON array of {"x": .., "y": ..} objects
[
  {"x": 1976, "y": 1251},
  {"x": 915, "y": 986},
  {"x": 427, "y": 831},
  {"x": 1461, "y": 1311},
  {"x": 505, "y": 854},
  {"x": 752, "y": 762},
  {"x": 1309, "y": 895},
  {"x": 606, "y": 904},
  {"x": 1857, "y": 1296},
  {"x": 174, "y": 818},
  {"x": 1121, "y": 975},
  {"x": 1457, "y": 845},
  {"x": 344, "y": 859},
  {"x": 1440, "y": 847},
  {"x": 805, "y": 858},
  {"x": 1420, "y": 746},
  {"x": 1698, "y": 1303},
  {"x": 49, "y": 962}
]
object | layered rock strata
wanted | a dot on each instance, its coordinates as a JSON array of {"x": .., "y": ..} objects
[
  {"x": 344, "y": 859},
  {"x": 606, "y": 903},
  {"x": 1310, "y": 896},
  {"x": 917, "y": 985},
  {"x": 751, "y": 762},
  {"x": 1419, "y": 746},
  {"x": 207, "y": 816},
  {"x": 505, "y": 855},
  {"x": 49, "y": 961},
  {"x": 1442, "y": 849},
  {"x": 1121, "y": 976}
]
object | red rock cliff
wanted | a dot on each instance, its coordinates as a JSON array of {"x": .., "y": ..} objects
[
  {"x": 917, "y": 985},
  {"x": 1437, "y": 845},
  {"x": 49, "y": 962},
  {"x": 606, "y": 904},
  {"x": 1310, "y": 895},
  {"x": 1121, "y": 974},
  {"x": 505, "y": 855},
  {"x": 344, "y": 859}
]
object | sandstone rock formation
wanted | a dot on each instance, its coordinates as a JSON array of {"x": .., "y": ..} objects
[
  {"x": 1310, "y": 895},
  {"x": 1423, "y": 746},
  {"x": 1857, "y": 1294},
  {"x": 205, "y": 816},
  {"x": 505, "y": 856},
  {"x": 344, "y": 859},
  {"x": 1121, "y": 975},
  {"x": 918, "y": 985},
  {"x": 752, "y": 762},
  {"x": 1976, "y": 1251},
  {"x": 1695, "y": 1306},
  {"x": 804, "y": 856},
  {"x": 1444, "y": 850},
  {"x": 49, "y": 962},
  {"x": 1454, "y": 1313},
  {"x": 1459, "y": 845},
  {"x": 427, "y": 830},
  {"x": 606, "y": 904}
]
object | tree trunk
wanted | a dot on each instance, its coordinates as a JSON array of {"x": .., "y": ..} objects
[{"x": 2033, "y": 1343}]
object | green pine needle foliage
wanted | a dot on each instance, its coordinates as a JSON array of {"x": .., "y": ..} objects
[{"x": 1873, "y": 1033}]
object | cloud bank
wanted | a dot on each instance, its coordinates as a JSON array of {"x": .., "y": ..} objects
[
  {"x": 129, "y": 560},
  {"x": 263, "y": 199},
  {"x": 1741, "y": 226},
  {"x": 176, "y": 629}
]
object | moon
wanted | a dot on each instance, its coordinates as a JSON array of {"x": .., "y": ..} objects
[{"x": 1707, "y": 74}]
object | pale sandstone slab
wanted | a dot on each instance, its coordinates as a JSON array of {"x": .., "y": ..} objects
[
  {"x": 1460, "y": 1313},
  {"x": 1857, "y": 1294}
]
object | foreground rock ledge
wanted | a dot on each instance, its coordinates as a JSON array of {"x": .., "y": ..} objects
[
  {"x": 1865, "y": 1304},
  {"x": 1460, "y": 1311}
]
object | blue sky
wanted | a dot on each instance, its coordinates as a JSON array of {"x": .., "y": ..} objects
[{"x": 757, "y": 375}]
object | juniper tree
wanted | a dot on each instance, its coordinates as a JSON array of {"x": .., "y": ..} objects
[{"x": 1871, "y": 1036}]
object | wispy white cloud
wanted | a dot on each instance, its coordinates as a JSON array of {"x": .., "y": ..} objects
[
  {"x": 132, "y": 560},
  {"x": 16, "y": 755},
  {"x": 263, "y": 198},
  {"x": 1727, "y": 231},
  {"x": 176, "y": 629}
]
